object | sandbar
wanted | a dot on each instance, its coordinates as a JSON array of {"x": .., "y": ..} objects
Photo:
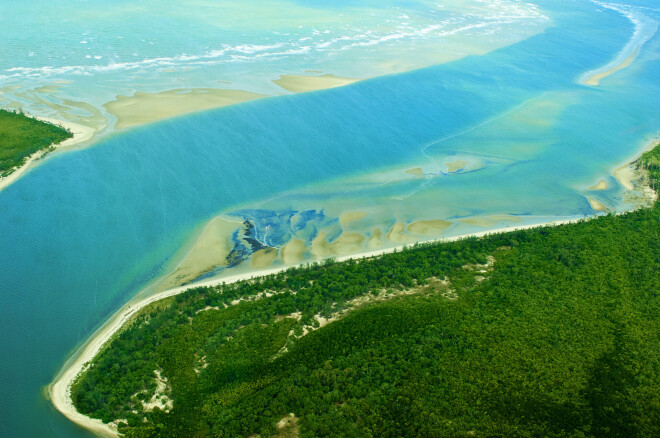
[
  {"x": 375, "y": 240},
  {"x": 293, "y": 251},
  {"x": 625, "y": 175},
  {"x": 264, "y": 257},
  {"x": 595, "y": 79},
  {"x": 319, "y": 248},
  {"x": 455, "y": 166},
  {"x": 351, "y": 216},
  {"x": 431, "y": 227},
  {"x": 602, "y": 185},
  {"x": 416, "y": 171},
  {"x": 596, "y": 205},
  {"x": 347, "y": 243},
  {"x": 210, "y": 250},
  {"x": 396, "y": 233},
  {"x": 302, "y": 83},
  {"x": 141, "y": 108},
  {"x": 489, "y": 221}
]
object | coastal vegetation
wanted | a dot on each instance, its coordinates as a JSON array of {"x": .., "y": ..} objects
[
  {"x": 551, "y": 331},
  {"x": 22, "y": 136}
]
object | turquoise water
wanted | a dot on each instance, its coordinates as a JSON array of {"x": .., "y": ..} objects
[
  {"x": 91, "y": 51},
  {"x": 85, "y": 231}
]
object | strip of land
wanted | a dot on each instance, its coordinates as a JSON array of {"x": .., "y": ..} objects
[
  {"x": 80, "y": 134},
  {"x": 60, "y": 389}
]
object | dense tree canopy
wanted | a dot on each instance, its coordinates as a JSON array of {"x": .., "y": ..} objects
[
  {"x": 21, "y": 136},
  {"x": 544, "y": 332}
]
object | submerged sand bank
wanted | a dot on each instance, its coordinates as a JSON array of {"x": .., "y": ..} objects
[
  {"x": 80, "y": 134},
  {"x": 595, "y": 79},
  {"x": 141, "y": 108},
  {"x": 601, "y": 185},
  {"x": 210, "y": 250},
  {"x": 302, "y": 83}
]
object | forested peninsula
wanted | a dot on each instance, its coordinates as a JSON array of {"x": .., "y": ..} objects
[
  {"x": 22, "y": 136},
  {"x": 551, "y": 331}
]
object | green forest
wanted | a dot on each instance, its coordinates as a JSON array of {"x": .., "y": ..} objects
[
  {"x": 553, "y": 331},
  {"x": 21, "y": 136}
]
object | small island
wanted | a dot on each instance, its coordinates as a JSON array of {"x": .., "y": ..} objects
[
  {"x": 537, "y": 332},
  {"x": 22, "y": 136}
]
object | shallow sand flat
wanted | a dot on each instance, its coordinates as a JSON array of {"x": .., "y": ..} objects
[
  {"x": 602, "y": 185},
  {"x": 293, "y": 251},
  {"x": 417, "y": 171},
  {"x": 80, "y": 134},
  {"x": 347, "y": 243},
  {"x": 9, "y": 88},
  {"x": 78, "y": 112},
  {"x": 625, "y": 175},
  {"x": 319, "y": 248},
  {"x": 351, "y": 216},
  {"x": 596, "y": 205},
  {"x": 595, "y": 79},
  {"x": 95, "y": 119},
  {"x": 48, "y": 89},
  {"x": 210, "y": 250},
  {"x": 396, "y": 233},
  {"x": 375, "y": 240},
  {"x": 489, "y": 221},
  {"x": 431, "y": 227},
  {"x": 263, "y": 258},
  {"x": 455, "y": 166},
  {"x": 143, "y": 107},
  {"x": 302, "y": 83}
]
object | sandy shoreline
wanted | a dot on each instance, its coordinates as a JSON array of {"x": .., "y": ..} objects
[
  {"x": 59, "y": 389},
  {"x": 80, "y": 134},
  {"x": 627, "y": 173}
]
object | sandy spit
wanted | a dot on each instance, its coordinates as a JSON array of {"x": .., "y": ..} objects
[
  {"x": 60, "y": 389},
  {"x": 80, "y": 134}
]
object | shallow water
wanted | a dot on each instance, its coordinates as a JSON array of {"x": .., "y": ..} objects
[
  {"x": 86, "y": 230},
  {"x": 96, "y": 50}
]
